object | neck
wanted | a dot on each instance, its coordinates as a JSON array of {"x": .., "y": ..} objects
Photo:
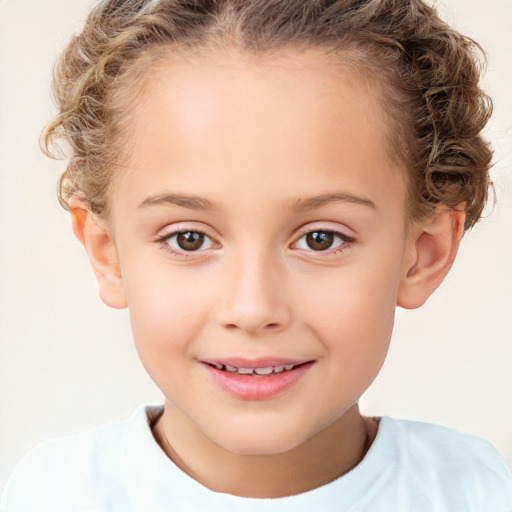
[{"x": 319, "y": 460}]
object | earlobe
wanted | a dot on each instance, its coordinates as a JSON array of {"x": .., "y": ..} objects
[
  {"x": 431, "y": 252},
  {"x": 94, "y": 234}
]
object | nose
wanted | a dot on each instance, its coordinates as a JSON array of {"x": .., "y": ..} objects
[{"x": 254, "y": 296}]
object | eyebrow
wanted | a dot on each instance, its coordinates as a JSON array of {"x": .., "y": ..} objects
[
  {"x": 186, "y": 201},
  {"x": 311, "y": 203},
  {"x": 193, "y": 202}
]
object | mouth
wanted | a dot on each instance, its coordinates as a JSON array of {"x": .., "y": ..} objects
[
  {"x": 256, "y": 371},
  {"x": 256, "y": 380}
]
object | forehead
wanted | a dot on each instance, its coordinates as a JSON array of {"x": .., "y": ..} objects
[
  {"x": 289, "y": 89},
  {"x": 243, "y": 117}
]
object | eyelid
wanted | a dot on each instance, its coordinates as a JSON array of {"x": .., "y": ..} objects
[
  {"x": 311, "y": 228},
  {"x": 171, "y": 231},
  {"x": 184, "y": 226}
]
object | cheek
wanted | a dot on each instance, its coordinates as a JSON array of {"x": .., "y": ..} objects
[
  {"x": 163, "y": 326},
  {"x": 360, "y": 299},
  {"x": 352, "y": 313},
  {"x": 166, "y": 310}
]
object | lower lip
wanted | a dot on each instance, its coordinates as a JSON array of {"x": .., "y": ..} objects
[{"x": 248, "y": 387}]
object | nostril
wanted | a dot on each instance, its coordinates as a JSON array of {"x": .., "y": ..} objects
[{"x": 272, "y": 326}]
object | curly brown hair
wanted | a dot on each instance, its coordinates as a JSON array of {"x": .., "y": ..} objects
[{"x": 428, "y": 72}]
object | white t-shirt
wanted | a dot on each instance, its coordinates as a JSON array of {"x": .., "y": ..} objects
[{"x": 410, "y": 467}]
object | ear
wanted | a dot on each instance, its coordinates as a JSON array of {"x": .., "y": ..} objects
[
  {"x": 432, "y": 248},
  {"x": 94, "y": 234}
]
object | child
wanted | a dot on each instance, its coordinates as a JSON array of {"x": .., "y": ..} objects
[{"x": 261, "y": 183}]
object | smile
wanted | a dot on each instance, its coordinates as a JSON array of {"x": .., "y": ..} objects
[
  {"x": 255, "y": 381},
  {"x": 268, "y": 370}
]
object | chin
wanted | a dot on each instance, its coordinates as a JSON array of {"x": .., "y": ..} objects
[{"x": 259, "y": 441}]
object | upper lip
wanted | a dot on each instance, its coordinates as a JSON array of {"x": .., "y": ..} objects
[{"x": 260, "y": 362}]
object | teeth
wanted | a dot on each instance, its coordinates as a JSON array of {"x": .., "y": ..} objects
[
  {"x": 264, "y": 371},
  {"x": 254, "y": 371}
]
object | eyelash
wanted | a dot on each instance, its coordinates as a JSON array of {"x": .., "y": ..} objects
[
  {"x": 163, "y": 242},
  {"x": 346, "y": 239}
]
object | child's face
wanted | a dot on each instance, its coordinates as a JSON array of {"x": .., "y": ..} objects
[{"x": 254, "y": 142}]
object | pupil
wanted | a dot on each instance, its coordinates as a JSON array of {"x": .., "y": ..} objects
[
  {"x": 319, "y": 240},
  {"x": 190, "y": 240}
]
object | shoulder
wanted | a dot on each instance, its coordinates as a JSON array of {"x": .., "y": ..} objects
[
  {"x": 443, "y": 445},
  {"x": 69, "y": 468},
  {"x": 451, "y": 463}
]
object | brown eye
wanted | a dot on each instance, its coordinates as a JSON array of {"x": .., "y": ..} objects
[
  {"x": 319, "y": 240},
  {"x": 188, "y": 241}
]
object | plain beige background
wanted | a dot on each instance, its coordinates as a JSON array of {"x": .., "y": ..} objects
[{"x": 67, "y": 362}]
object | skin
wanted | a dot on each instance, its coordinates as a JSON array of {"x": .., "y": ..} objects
[{"x": 254, "y": 137}]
